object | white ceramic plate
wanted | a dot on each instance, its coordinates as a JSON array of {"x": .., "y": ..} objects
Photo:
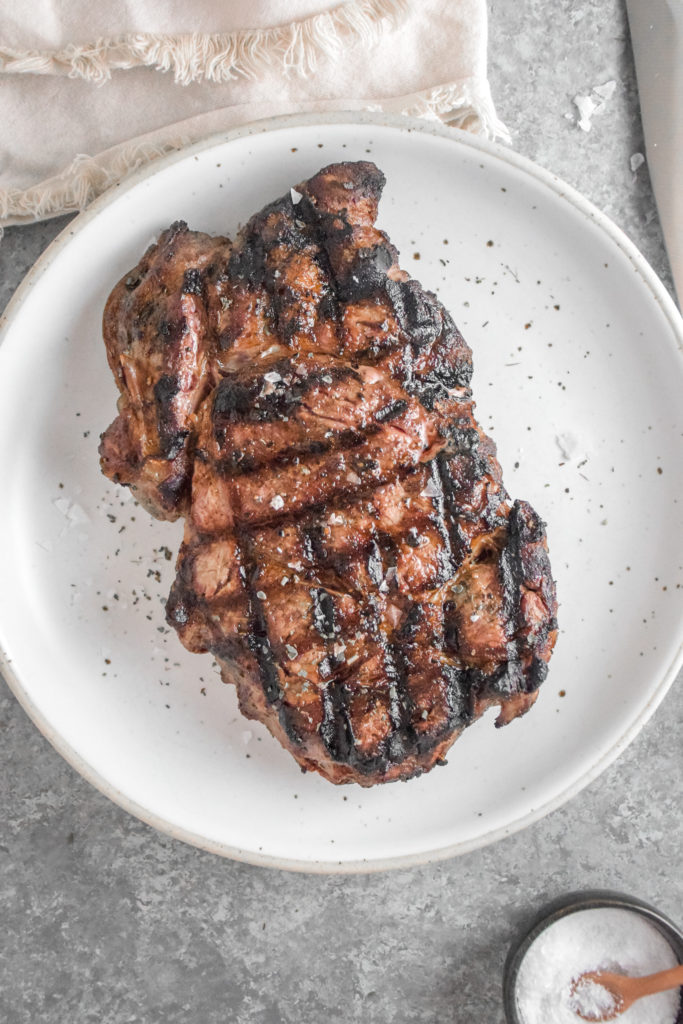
[{"x": 578, "y": 375}]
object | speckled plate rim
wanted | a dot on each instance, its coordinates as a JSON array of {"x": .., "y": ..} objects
[{"x": 544, "y": 179}]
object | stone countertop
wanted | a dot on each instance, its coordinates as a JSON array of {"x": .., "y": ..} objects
[{"x": 105, "y": 920}]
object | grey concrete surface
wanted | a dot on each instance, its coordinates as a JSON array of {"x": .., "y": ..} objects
[{"x": 104, "y": 920}]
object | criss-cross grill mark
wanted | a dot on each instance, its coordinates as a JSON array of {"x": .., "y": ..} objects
[
  {"x": 322, "y": 557},
  {"x": 238, "y": 463},
  {"x": 452, "y": 551},
  {"x": 397, "y": 742},
  {"x": 457, "y": 537},
  {"x": 461, "y": 688},
  {"x": 241, "y": 399},
  {"x": 401, "y": 706},
  {"x": 308, "y": 520},
  {"x": 450, "y": 677},
  {"x": 369, "y": 476},
  {"x": 427, "y": 383},
  {"x": 335, "y": 729},
  {"x": 246, "y": 449},
  {"x": 321, "y": 560},
  {"x": 257, "y": 637},
  {"x": 427, "y": 374},
  {"x": 402, "y": 739},
  {"x": 310, "y": 217}
]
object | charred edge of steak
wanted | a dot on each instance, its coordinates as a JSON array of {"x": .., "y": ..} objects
[
  {"x": 258, "y": 642},
  {"x": 335, "y": 728},
  {"x": 366, "y": 274},
  {"x": 133, "y": 280},
  {"x": 403, "y": 742},
  {"x": 420, "y": 316},
  {"x": 526, "y": 532},
  {"x": 330, "y": 187},
  {"x": 296, "y": 230}
]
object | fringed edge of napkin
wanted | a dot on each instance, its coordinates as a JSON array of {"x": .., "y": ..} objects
[
  {"x": 74, "y": 188},
  {"x": 196, "y": 57},
  {"x": 465, "y": 104}
]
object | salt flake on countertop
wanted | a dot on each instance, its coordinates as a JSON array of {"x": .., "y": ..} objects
[
  {"x": 595, "y": 103},
  {"x": 586, "y": 108},
  {"x": 606, "y": 91}
]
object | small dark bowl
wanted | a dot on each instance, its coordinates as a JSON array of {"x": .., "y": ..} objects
[{"x": 590, "y": 899}]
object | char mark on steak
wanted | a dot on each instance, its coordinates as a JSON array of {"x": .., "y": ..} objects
[{"x": 350, "y": 555}]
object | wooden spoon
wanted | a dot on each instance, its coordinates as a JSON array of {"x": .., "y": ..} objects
[{"x": 626, "y": 990}]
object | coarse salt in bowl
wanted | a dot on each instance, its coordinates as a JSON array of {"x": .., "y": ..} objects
[{"x": 589, "y": 932}]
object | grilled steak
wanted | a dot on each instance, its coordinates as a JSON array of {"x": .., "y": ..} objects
[{"x": 350, "y": 555}]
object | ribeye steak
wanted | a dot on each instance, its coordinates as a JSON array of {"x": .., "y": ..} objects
[{"x": 350, "y": 556}]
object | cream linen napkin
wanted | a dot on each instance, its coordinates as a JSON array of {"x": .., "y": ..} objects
[{"x": 91, "y": 91}]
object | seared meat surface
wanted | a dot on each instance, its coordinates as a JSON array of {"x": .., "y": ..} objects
[
  {"x": 159, "y": 330},
  {"x": 350, "y": 555}
]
